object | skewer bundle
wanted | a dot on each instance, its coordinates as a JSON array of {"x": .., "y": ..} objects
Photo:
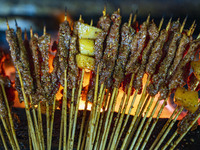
[{"x": 118, "y": 56}]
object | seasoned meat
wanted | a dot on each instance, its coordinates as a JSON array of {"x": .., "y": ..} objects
[
  {"x": 182, "y": 71},
  {"x": 25, "y": 66},
  {"x": 192, "y": 82},
  {"x": 63, "y": 49},
  {"x": 110, "y": 54},
  {"x": 124, "y": 50},
  {"x": 156, "y": 53},
  {"x": 137, "y": 46},
  {"x": 72, "y": 68},
  {"x": 185, "y": 40}
]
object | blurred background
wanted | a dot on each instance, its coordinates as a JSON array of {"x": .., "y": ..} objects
[{"x": 36, "y": 13}]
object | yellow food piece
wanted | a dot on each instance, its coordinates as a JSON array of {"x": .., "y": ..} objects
[
  {"x": 86, "y": 47},
  {"x": 85, "y": 62},
  {"x": 196, "y": 67},
  {"x": 88, "y": 32},
  {"x": 187, "y": 99}
]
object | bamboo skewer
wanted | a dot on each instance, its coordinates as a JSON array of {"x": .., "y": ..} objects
[
  {"x": 35, "y": 144},
  {"x": 82, "y": 125},
  {"x": 3, "y": 140},
  {"x": 123, "y": 113},
  {"x": 120, "y": 131},
  {"x": 142, "y": 122},
  {"x": 116, "y": 120},
  {"x": 30, "y": 142},
  {"x": 182, "y": 135},
  {"x": 48, "y": 124},
  {"x": 163, "y": 129},
  {"x": 169, "y": 128},
  {"x": 65, "y": 113},
  {"x": 61, "y": 129},
  {"x": 40, "y": 125},
  {"x": 35, "y": 123},
  {"x": 94, "y": 110},
  {"x": 76, "y": 111},
  {"x": 170, "y": 140},
  {"x": 71, "y": 116},
  {"x": 52, "y": 121},
  {"x": 97, "y": 118},
  {"x": 142, "y": 100},
  {"x": 154, "y": 123},
  {"x": 108, "y": 116},
  {"x": 101, "y": 120},
  {"x": 10, "y": 117},
  {"x": 146, "y": 126},
  {"x": 8, "y": 133}
]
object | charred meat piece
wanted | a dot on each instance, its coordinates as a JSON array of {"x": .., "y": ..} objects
[
  {"x": 137, "y": 46},
  {"x": 192, "y": 82},
  {"x": 72, "y": 68},
  {"x": 25, "y": 66},
  {"x": 156, "y": 53},
  {"x": 159, "y": 78},
  {"x": 43, "y": 45},
  {"x": 63, "y": 48},
  {"x": 103, "y": 23},
  {"x": 36, "y": 56},
  {"x": 124, "y": 50},
  {"x": 182, "y": 71},
  {"x": 153, "y": 34},
  {"x": 111, "y": 50},
  {"x": 185, "y": 40}
]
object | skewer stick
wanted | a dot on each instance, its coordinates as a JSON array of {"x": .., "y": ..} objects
[
  {"x": 183, "y": 24},
  {"x": 108, "y": 116},
  {"x": 182, "y": 135},
  {"x": 163, "y": 129},
  {"x": 76, "y": 111},
  {"x": 120, "y": 131},
  {"x": 35, "y": 144},
  {"x": 161, "y": 23},
  {"x": 10, "y": 117},
  {"x": 170, "y": 140},
  {"x": 142, "y": 122},
  {"x": 104, "y": 11},
  {"x": 52, "y": 121},
  {"x": 61, "y": 129},
  {"x": 135, "y": 16},
  {"x": 71, "y": 116},
  {"x": 30, "y": 142},
  {"x": 82, "y": 125},
  {"x": 169, "y": 24},
  {"x": 40, "y": 125},
  {"x": 116, "y": 120},
  {"x": 101, "y": 120},
  {"x": 130, "y": 19},
  {"x": 94, "y": 110},
  {"x": 148, "y": 18},
  {"x": 35, "y": 123},
  {"x": 142, "y": 100},
  {"x": 84, "y": 136},
  {"x": 110, "y": 119},
  {"x": 191, "y": 28},
  {"x": 64, "y": 112},
  {"x": 146, "y": 126},
  {"x": 169, "y": 128},
  {"x": 98, "y": 115},
  {"x": 123, "y": 113},
  {"x": 8, "y": 133},
  {"x": 154, "y": 123},
  {"x": 48, "y": 126},
  {"x": 3, "y": 140}
]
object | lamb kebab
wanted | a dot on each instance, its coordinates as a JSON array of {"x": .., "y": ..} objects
[
  {"x": 104, "y": 24},
  {"x": 169, "y": 48}
]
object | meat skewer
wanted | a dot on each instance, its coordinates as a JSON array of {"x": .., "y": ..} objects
[
  {"x": 154, "y": 123},
  {"x": 108, "y": 62}
]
